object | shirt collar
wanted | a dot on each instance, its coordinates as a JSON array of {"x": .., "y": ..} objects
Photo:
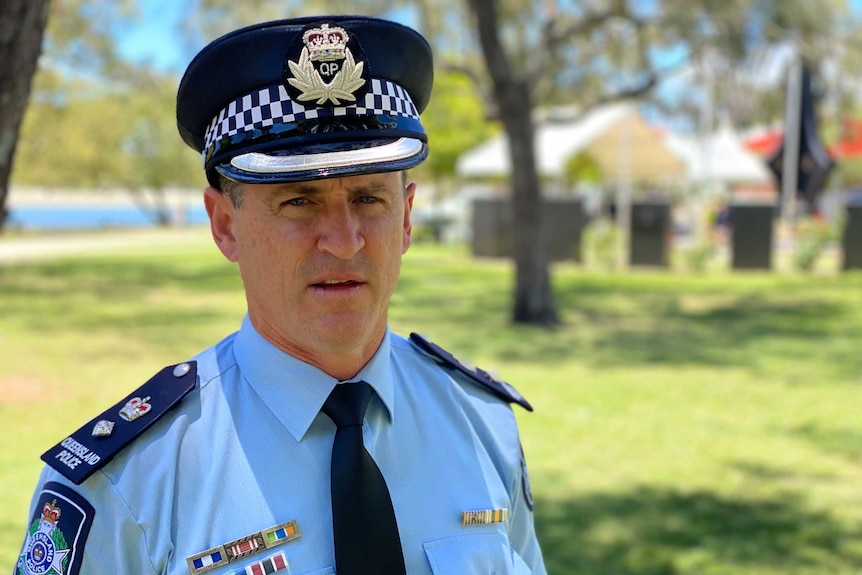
[
  {"x": 378, "y": 374},
  {"x": 294, "y": 390}
]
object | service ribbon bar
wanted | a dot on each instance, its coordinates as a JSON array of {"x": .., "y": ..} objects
[
  {"x": 484, "y": 517},
  {"x": 207, "y": 560},
  {"x": 280, "y": 534},
  {"x": 269, "y": 565},
  {"x": 245, "y": 546}
]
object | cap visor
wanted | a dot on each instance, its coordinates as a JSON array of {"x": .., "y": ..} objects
[{"x": 256, "y": 167}]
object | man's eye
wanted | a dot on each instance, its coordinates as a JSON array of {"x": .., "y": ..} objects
[
  {"x": 296, "y": 202},
  {"x": 368, "y": 200}
]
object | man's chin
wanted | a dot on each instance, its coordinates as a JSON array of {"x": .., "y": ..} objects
[{"x": 344, "y": 333}]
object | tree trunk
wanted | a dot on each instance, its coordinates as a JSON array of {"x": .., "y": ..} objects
[
  {"x": 22, "y": 25},
  {"x": 534, "y": 299}
]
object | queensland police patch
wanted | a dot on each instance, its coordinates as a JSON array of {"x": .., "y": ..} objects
[{"x": 55, "y": 539}]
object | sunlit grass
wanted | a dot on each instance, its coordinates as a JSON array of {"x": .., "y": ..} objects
[{"x": 684, "y": 424}]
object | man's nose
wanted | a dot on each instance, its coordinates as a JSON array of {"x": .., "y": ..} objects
[{"x": 340, "y": 232}]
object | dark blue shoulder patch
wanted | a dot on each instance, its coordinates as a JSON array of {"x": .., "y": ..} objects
[
  {"x": 91, "y": 447},
  {"x": 57, "y": 532},
  {"x": 498, "y": 387}
]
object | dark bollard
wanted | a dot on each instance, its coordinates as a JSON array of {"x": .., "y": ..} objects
[
  {"x": 562, "y": 224},
  {"x": 751, "y": 226},
  {"x": 851, "y": 240},
  {"x": 649, "y": 240}
]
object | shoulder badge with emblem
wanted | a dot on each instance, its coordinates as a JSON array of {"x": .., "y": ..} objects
[
  {"x": 498, "y": 387},
  {"x": 91, "y": 447},
  {"x": 55, "y": 539}
]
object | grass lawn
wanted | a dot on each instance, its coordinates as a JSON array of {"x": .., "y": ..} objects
[{"x": 684, "y": 424}]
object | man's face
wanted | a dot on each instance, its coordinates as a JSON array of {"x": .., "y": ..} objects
[{"x": 319, "y": 260}]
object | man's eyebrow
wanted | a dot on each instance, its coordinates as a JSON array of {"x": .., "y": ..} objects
[
  {"x": 375, "y": 187},
  {"x": 300, "y": 188}
]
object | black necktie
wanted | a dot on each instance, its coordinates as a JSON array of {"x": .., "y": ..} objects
[{"x": 363, "y": 521}]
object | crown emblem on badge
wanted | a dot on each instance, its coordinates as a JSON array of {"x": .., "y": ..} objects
[
  {"x": 326, "y": 44},
  {"x": 135, "y": 408},
  {"x": 51, "y": 513},
  {"x": 326, "y": 70}
]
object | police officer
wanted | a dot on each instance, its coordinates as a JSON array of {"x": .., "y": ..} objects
[{"x": 312, "y": 440}]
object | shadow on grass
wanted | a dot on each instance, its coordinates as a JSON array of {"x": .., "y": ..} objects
[
  {"x": 113, "y": 277},
  {"x": 651, "y": 531},
  {"x": 843, "y": 442},
  {"x": 635, "y": 320},
  {"x": 611, "y": 320},
  {"x": 145, "y": 299}
]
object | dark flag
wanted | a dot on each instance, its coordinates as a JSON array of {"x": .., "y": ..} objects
[{"x": 814, "y": 164}]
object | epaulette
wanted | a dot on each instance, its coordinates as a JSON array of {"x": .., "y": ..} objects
[
  {"x": 91, "y": 447},
  {"x": 498, "y": 387}
]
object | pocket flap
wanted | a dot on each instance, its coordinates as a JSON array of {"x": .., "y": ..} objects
[{"x": 475, "y": 554}]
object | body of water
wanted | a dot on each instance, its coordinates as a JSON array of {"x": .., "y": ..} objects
[{"x": 92, "y": 217}]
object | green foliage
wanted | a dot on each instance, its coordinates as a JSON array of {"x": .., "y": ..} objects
[
  {"x": 699, "y": 254},
  {"x": 454, "y": 121},
  {"x": 850, "y": 172},
  {"x": 582, "y": 168},
  {"x": 95, "y": 120},
  {"x": 601, "y": 240},
  {"x": 813, "y": 234},
  {"x": 704, "y": 247},
  {"x": 683, "y": 426},
  {"x": 78, "y": 134},
  {"x": 81, "y": 34}
]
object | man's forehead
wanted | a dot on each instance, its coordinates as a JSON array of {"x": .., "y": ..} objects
[{"x": 377, "y": 181}]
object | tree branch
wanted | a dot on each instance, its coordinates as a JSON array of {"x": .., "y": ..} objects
[{"x": 557, "y": 31}]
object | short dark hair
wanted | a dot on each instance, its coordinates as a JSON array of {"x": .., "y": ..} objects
[{"x": 232, "y": 189}]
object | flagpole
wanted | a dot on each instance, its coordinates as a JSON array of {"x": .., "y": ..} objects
[{"x": 792, "y": 136}]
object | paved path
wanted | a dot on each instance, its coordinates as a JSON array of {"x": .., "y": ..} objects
[{"x": 29, "y": 247}]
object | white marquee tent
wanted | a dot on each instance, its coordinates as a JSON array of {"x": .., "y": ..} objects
[
  {"x": 621, "y": 142},
  {"x": 625, "y": 146},
  {"x": 720, "y": 158}
]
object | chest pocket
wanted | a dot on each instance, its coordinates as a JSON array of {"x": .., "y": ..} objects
[{"x": 477, "y": 554}]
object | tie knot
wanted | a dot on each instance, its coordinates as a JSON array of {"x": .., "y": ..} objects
[{"x": 347, "y": 403}]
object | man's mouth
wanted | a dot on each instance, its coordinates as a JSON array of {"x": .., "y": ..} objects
[
  {"x": 331, "y": 283},
  {"x": 337, "y": 286}
]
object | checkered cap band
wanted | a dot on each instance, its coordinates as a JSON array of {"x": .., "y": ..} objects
[{"x": 269, "y": 106}]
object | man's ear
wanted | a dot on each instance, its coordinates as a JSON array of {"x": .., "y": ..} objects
[
  {"x": 221, "y": 212},
  {"x": 409, "y": 193}
]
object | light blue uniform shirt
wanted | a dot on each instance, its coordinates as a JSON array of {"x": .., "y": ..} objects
[{"x": 248, "y": 449}]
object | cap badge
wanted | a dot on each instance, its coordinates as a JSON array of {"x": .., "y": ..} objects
[
  {"x": 326, "y": 70},
  {"x": 135, "y": 408}
]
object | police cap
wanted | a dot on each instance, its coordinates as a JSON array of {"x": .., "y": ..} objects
[{"x": 307, "y": 98}]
